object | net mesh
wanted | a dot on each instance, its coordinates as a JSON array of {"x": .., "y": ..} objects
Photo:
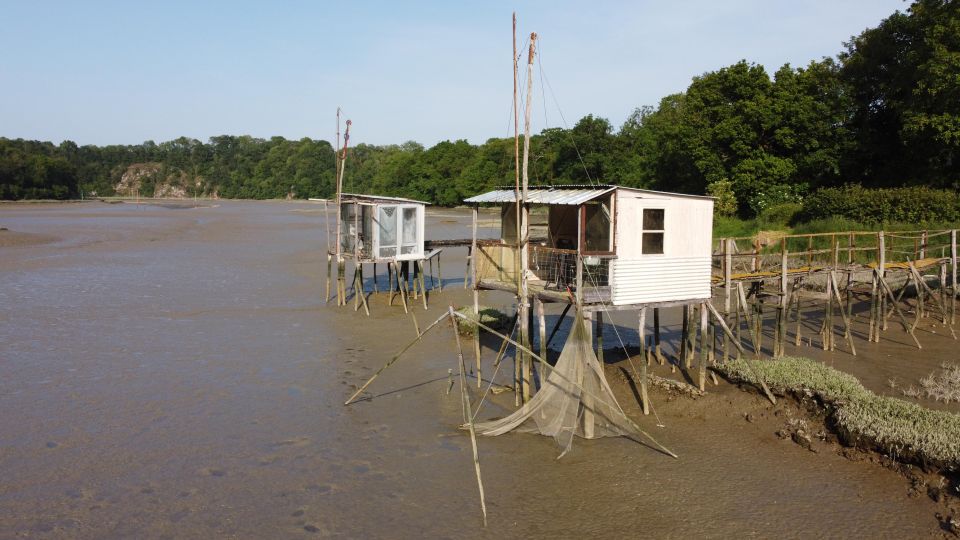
[{"x": 575, "y": 399}]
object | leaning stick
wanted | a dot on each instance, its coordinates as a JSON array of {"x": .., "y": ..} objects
[
  {"x": 469, "y": 413},
  {"x": 933, "y": 297},
  {"x": 396, "y": 357},
  {"x": 903, "y": 319},
  {"x": 726, "y": 329},
  {"x": 847, "y": 331},
  {"x": 546, "y": 366}
]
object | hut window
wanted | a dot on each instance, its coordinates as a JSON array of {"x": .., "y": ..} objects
[
  {"x": 409, "y": 236},
  {"x": 387, "y": 225},
  {"x": 597, "y": 227},
  {"x": 653, "y": 227}
]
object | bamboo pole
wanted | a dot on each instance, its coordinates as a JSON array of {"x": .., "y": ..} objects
[
  {"x": 644, "y": 397},
  {"x": 396, "y": 357},
  {"x": 469, "y": 414}
]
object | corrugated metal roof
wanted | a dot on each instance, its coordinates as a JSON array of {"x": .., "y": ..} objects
[
  {"x": 573, "y": 195},
  {"x": 347, "y": 197}
]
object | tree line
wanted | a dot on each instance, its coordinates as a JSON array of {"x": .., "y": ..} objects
[{"x": 885, "y": 112}]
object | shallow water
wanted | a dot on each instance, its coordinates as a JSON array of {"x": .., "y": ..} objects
[{"x": 175, "y": 373}]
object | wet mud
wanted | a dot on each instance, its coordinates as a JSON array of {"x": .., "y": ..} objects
[{"x": 169, "y": 372}]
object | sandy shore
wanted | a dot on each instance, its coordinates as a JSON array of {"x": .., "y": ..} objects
[{"x": 174, "y": 372}]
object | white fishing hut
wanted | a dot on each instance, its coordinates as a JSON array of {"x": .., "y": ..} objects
[
  {"x": 624, "y": 246},
  {"x": 381, "y": 229}
]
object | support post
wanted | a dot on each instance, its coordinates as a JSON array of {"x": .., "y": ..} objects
[
  {"x": 600, "y": 337},
  {"x": 644, "y": 397},
  {"x": 727, "y": 283},
  {"x": 542, "y": 327},
  {"x": 703, "y": 347},
  {"x": 656, "y": 336}
]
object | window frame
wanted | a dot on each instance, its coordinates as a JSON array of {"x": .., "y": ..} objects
[
  {"x": 662, "y": 232},
  {"x": 613, "y": 227}
]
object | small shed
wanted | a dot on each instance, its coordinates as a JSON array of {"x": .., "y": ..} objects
[
  {"x": 381, "y": 229},
  {"x": 636, "y": 246}
]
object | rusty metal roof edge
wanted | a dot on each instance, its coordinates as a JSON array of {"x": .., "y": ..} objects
[{"x": 380, "y": 198}]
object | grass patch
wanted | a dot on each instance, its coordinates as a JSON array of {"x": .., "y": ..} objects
[
  {"x": 492, "y": 317},
  {"x": 903, "y": 430}
]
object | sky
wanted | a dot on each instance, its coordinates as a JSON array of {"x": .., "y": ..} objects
[{"x": 123, "y": 72}]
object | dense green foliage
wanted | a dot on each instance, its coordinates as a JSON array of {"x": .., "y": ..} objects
[
  {"x": 917, "y": 204},
  {"x": 884, "y": 113}
]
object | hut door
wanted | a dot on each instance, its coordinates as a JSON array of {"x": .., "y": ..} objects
[{"x": 387, "y": 229}]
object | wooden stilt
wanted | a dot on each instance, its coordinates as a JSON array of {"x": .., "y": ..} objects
[
  {"x": 440, "y": 274},
  {"x": 376, "y": 286},
  {"x": 556, "y": 327},
  {"x": 541, "y": 326},
  {"x": 470, "y": 265},
  {"x": 656, "y": 336},
  {"x": 727, "y": 284},
  {"x": 600, "y": 337},
  {"x": 703, "y": 347},
  {"x": 326, "y": 297},
  {"x": 737, "y": 344},
  {"x": 363, "y": 293},
  {"x": 423, "y": 284},
  {"x": 644, "y": 397},
  {"x": 684, "y": 333},
  {"x": 954, "y": 260},
  {"x": 933, "y": 297},
  {"x": 390, "y": 282},
  {"x": 799, "y": 316}
]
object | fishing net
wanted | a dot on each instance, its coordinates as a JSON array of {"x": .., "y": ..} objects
[{"x": 575, "y": 399}]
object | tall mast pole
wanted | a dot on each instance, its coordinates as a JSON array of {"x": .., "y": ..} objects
[
  {"x": 336, "y": 179},
  {"x": 525, "y": 228},
  {"x": 516, "y": 151}
]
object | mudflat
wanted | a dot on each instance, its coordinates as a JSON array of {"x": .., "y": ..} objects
[{"x": 173, "y": 371}]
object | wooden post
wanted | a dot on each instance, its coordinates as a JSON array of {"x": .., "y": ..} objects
[
  {"x": 781, "y": 333},
  {"x": 600, "y": 337},
  {"x": 440, "y": 273},
  {"x": 828, "y": 319},
  {"x": 896, "y": 308},
  {"x": 796, "y": 294},
  {"x": 727, "y": 283},
  {"x": 758, "y": 321},
  {"x": 703, "y": 347},
  {"x": 423, "y": 288},
  {"x": 326, "y": 298},
  {"x": 542, "y": 327},
  {"x": 376, "y": 286},
  {"x": 643, "y": 361},
  {"x": 684, "y": 333},
  {"x": 954, "y": 260},
  {"x": 738, "y": 322},
  {"x": 744, "y": 307},
  {"x": 656, "y": 335},
  {"x": 882, "y": 271}
]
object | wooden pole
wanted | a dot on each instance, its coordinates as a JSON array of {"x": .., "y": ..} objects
[
  {"x": 396, "y": 357},
  {"x": 781, "y": 333},
  {"x": 703, "y": 347},
  {"x": 656, "y": 336},
  {"x": 542, "y": 327},
  {"x": 684, "y": 333},
  {"x": 469, "y": 414},
  {"x": 882, "y": 271},
  {"x": 600, "y": 337},
  {"x": 643, "y": 361},
  {"x": 727, "y": 283},
  {"x": 896, "y": 308},
  {"x": 847, "y": 331},
  {"x": 739, "y": 347},
  {"x": 523, "y": 240},
  {"x": 954, "y": 260},
  {"x": 326, "y": 298}
]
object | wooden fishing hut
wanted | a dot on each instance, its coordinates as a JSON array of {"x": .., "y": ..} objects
[
  {"x": 374, "y": 229},
  {"x": 604, "y": 248}
]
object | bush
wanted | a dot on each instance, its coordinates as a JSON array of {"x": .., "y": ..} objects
[
  {"x": 779, "y": 215},
  {"x": 916, "y": 205}
]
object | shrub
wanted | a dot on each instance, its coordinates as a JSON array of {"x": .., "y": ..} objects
[
  {"x": 779, "y": 215},
  {"x": 918, "y": 205}
]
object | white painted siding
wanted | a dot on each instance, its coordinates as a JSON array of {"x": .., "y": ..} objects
[
  {"x": 639, "y": 281},
  {"x": 682, "y": 272}
]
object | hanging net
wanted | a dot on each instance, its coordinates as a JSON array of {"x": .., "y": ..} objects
[{"x": 575, "y": 399}]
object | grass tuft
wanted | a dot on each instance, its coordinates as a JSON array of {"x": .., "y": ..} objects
[{"x": 901, "y": 429}]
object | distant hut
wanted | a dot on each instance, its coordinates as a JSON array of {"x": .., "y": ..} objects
[{"x": 389, "y": 230}]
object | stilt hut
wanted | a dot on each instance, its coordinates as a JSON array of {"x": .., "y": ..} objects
[
  {"x": 613, "y": 245},
  {"x": 373, "y": 230}
]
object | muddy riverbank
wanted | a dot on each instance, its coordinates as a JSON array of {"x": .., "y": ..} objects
[{"x": 169, "y": 371}]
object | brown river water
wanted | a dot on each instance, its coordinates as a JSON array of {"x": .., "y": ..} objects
[{"x": 173, "y": 372}]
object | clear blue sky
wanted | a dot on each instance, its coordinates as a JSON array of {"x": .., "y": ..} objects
[{"x": 125, "y": 72}]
